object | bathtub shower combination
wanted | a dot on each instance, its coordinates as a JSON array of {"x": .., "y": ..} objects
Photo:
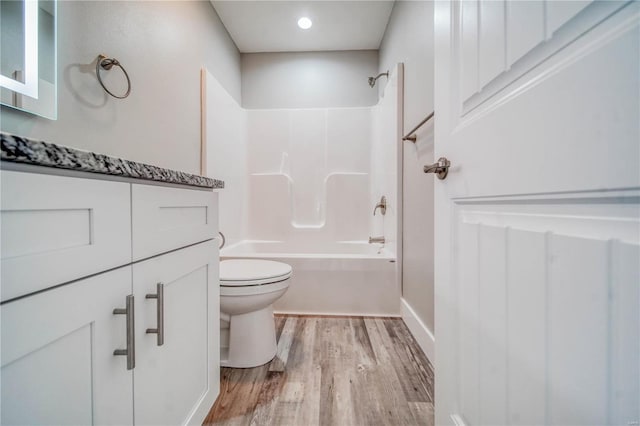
[
  {"x": 342, "y": 278},
  {"x": 301, "y": 187}
]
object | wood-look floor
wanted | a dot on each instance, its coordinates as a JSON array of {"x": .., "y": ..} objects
[{"x": 332, "y": 371}]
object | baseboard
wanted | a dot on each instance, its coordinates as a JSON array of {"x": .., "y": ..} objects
[
  {"x": 419, "y": 330},
  {"x": 333, "y": 314}
]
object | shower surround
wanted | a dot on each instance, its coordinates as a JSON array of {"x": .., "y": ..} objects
[
  {"x": 309, "y": 174},
  {"x": 301, "y": 185}
]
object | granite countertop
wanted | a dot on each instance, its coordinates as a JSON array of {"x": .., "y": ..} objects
[{"x": 17, "y": 149}]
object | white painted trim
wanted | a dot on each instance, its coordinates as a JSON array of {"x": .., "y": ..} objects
[
  {"x": 337, "y": 314},
  {"x": 419, "y": 330}
]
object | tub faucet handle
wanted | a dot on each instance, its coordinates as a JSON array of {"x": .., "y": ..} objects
[{"x": 382, "y": 205}]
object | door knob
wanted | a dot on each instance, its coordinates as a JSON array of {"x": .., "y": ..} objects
[
  {"x": 441, "y": 168},
  {"x": 382, "y": 205}
]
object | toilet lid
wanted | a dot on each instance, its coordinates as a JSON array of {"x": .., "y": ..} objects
[{"x": 244, "y": 272}]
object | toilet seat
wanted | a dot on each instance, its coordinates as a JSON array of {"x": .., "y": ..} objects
[{"x": 252, "y": 272}]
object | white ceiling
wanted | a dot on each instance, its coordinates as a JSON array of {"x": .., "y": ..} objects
[{"x": 272, "y": 26}]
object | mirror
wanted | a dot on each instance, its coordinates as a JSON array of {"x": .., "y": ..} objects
[{"x": 28, "y": 60}]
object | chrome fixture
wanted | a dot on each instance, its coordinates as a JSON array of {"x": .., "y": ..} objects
[
  {"x": 410, "y": 136},
  {"x": 224, "y": 240},
  {"x": 441, "y": 168},
  {"x": 376, "y": 240},
  {"x": 372, "y": 80},
  {"x": 382, "y": 205}
]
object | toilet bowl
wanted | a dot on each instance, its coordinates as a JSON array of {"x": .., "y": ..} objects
[{"x": 248, "y": 289}]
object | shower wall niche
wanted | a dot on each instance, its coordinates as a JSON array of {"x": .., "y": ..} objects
[{"x": 306, "y": 175}]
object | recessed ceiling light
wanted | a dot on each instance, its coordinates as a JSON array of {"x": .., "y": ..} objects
[{"x": 304, "y": 23}]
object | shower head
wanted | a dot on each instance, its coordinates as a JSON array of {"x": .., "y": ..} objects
[{"x": 372, "y": 80}]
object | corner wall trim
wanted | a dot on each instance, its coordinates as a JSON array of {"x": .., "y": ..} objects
[{"x": 419, "y": 330}]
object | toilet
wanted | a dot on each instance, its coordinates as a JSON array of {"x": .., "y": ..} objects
[{"x": 248, "y": 289}]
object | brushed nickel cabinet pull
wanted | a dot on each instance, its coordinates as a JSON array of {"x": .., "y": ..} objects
[
  {"x": 130, "y": 351},
  {"x": 160, "y": 313}
]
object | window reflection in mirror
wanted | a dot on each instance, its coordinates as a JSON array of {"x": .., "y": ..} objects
[{"x": 28, "y": 79}]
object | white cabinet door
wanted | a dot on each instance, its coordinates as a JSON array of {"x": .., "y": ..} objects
[
  {"x": 538, "y": 222},
  {"x": 57, "y": 229},
  {"x": 165, "y": 219},
  {"x": 58, "y": 365},
  {"x": 177, "y": 382}
]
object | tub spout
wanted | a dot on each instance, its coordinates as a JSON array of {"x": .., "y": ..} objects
[{"x": 376, "y": 240}]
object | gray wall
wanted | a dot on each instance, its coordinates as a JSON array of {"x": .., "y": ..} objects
[
  {"x": 308, "y": 79},
  {"x": 162, "y": 45},
  {"x": 409, "y": 39}
]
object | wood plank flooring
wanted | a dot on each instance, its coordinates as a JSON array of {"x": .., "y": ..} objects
[{"x": 332, "y": 371}]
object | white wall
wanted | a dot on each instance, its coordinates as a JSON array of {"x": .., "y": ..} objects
[
  {"x": 163, "y": 46},
  {"x": 308, "y": 79},
  {"x": 409, "y": 39}
]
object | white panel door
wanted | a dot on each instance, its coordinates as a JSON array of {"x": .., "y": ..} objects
[
  {"x": 165, "y": 219},
  {"x": 538, "y": 223},
  {"x": 58, "y": 366},
  {"x": 178, "y": 381},
  {"x": 57, "y": 229}
]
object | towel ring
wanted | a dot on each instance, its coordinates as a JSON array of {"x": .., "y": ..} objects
[{"x": 106, "y": 64}]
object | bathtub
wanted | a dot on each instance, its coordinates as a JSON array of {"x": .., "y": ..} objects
[{"x": 340, "y": 278}]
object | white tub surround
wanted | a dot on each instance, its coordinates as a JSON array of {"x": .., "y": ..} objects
[
  {"x": 306, "y": 173},
  {"x": 225, "y": 155},
  {"x": 345, "y": 278},
  {"x": 105, "y": 282},
  {"x": 310, "y": 179}
]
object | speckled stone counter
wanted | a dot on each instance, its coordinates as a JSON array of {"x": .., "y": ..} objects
[{"x": 17, "y": 149}]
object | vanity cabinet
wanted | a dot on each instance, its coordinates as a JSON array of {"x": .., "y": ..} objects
[
  {"x": 176, "y": 381},
  {"x": 62, "y": 322},
  {"x": 58, "y": 365}
]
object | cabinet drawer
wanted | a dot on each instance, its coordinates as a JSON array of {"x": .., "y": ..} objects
[
  {"x": 57, "y": 229},
  {"x": 165, "y": 219}
]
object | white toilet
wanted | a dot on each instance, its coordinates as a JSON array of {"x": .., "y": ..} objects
[{"x": 248, "y": 289}]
